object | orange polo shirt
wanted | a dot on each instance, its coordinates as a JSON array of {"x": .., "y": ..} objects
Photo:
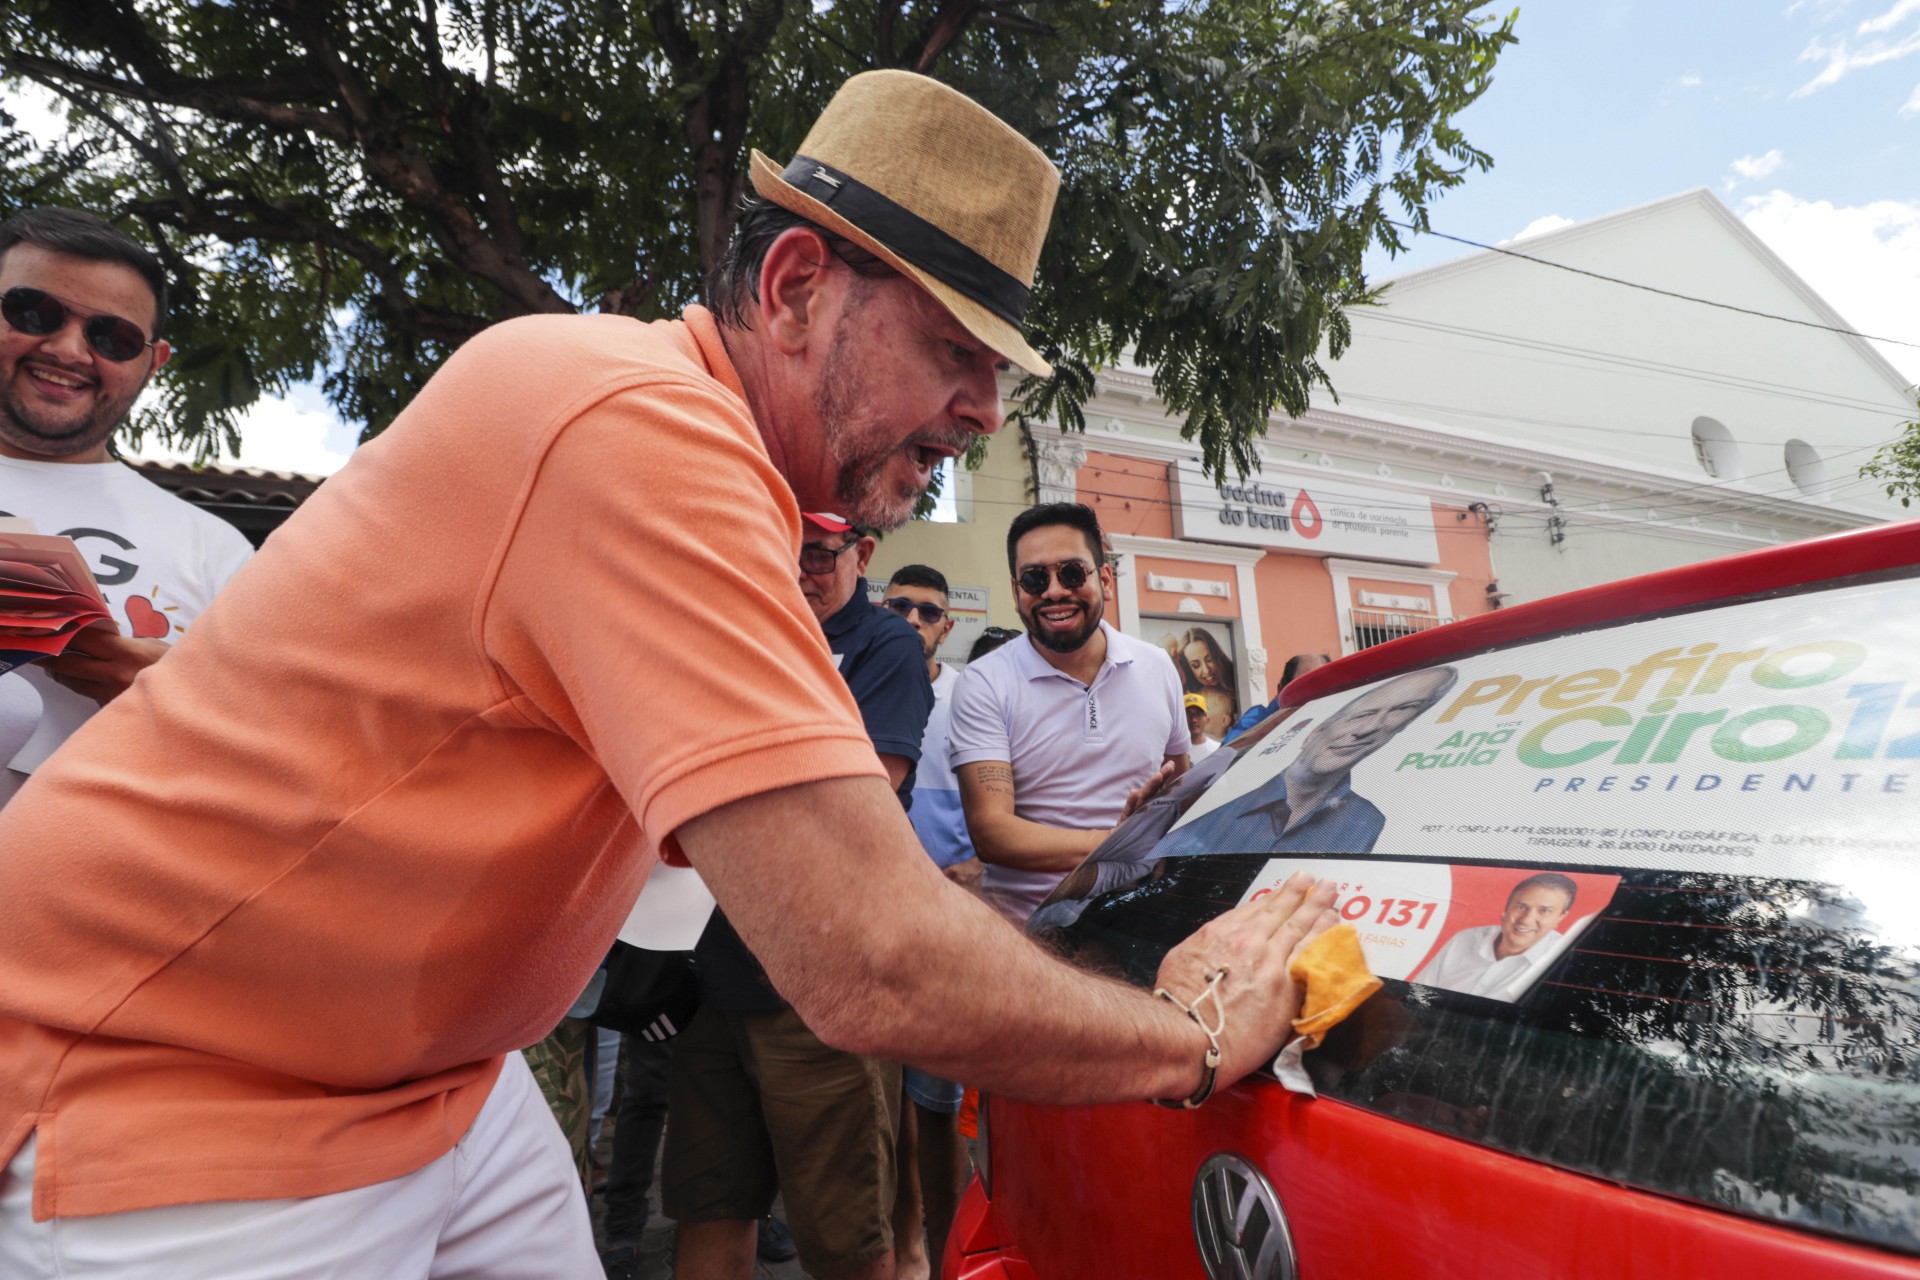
[{"x": 271, "y": 919}]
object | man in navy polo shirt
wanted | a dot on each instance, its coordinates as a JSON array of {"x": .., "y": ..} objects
[{"x": 753, "y": 1090}]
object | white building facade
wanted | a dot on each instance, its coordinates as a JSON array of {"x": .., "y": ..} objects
[{"x": 1504, "y": 431}]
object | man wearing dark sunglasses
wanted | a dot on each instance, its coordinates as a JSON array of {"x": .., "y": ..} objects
[
  {"x": 81, "y": 306},
  {"x": 918, "y": 593},
  {"x": 1051, "y": 734}
]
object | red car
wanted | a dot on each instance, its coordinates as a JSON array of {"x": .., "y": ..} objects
[{"x": 1639, "y": 868}]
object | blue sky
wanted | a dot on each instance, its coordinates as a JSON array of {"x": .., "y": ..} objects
[{"x": 1803, "y": 115}]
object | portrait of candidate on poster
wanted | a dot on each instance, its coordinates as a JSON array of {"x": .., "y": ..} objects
[
  {"x": 1544, "y": 911},
  {"x": 1307, "y": 801},
  {"x": 1482, "y": 931}
]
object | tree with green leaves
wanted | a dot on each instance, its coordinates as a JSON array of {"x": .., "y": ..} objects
[
  {"x": 1898, "y": 464},
  {"x": 347, "y": 189}
]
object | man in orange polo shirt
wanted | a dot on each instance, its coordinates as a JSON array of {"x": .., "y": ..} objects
[{"x": 276, "y": 918}]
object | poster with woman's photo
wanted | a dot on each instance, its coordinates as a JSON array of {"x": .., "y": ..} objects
[{"x": 1202, "y": 653}]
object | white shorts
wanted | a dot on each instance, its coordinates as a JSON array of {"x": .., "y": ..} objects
[{"x": 504, "y": 1204}]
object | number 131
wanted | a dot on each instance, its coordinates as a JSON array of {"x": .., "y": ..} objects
[{"x": 1396, "y": 913}]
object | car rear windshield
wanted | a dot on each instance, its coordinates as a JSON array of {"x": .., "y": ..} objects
[
  {"x": 1741, "y": 1042},
  {"x": 1682, "y": 958}
]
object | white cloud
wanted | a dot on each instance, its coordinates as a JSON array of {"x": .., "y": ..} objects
[
  {"x": 298, "y": 433},
  {"x": 1864, "y": 260},
  {"x": 1756, "y": 167},
  {"x": 1842, "y": 60},
  {"x": 1691, "y": 80},
  {"x": 1540, "y": 226},
  {"x": 1901, "y": 11},
  {"x": 1912, "y": 106}
]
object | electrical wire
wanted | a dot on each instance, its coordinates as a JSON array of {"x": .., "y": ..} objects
[
  {"x": 1590, "y": 518},
  {"x": 1690, "y": 373},
  {"x": 1683, "y": 496},
  {"x": 1783, "y": 499},
  {"x": 1561, "y": 424},
  {"x": 1692, "y": 487},
  {"x": 1647, "y": 288}
]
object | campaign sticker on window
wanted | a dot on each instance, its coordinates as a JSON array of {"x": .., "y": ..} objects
[
  {"x": 1485, "y": 931},
  {"x": 1777, "y": 737}
]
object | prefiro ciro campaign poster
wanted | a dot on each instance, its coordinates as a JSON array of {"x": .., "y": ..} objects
[{"x": 1776, "y": 738}]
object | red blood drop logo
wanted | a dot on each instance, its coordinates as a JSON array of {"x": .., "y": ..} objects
[{"x": 1306, "y": 516}]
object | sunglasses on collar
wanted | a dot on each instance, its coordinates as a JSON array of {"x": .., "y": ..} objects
[
  {"x": 1073, "y": 575},
  {"x": 37, "y": 313}
]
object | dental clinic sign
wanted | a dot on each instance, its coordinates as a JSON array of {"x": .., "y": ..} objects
[{"x": 1308, "y": 514}]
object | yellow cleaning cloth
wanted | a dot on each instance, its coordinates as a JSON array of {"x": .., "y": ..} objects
[{"x": 1335, "y": 976}]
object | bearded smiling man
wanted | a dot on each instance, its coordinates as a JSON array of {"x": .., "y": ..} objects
[
  {"x": 81, "y": 309},
  {"x": 1052, "y": 731},
  {"x": 278, "y": 917},
  {"x": 1500, "y": 961}
]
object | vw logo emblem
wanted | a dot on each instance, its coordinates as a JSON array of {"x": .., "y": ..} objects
[{"x": 1238, "y": 1223}]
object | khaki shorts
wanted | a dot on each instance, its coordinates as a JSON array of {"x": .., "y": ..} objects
[{"x": 758, "y": 1105}]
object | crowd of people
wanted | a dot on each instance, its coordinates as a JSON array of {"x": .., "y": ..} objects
[
  {"x": 1011, "y": 770},
  {"x": 284, "y": 910}
]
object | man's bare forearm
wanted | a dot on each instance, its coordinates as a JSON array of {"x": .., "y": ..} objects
[
  {"x": 881, "y": 955},
  {"x": 1002, "y": 838}
]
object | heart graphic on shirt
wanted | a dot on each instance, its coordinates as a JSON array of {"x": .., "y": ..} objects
[{"x": 148, "y": 622}]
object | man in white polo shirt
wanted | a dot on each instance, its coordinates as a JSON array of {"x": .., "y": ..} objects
[
  {"x": 1500, "y": 961},
  {"x": 1051, "y": 732}
]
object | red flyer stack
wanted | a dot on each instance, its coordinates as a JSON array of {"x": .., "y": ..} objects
[{"x": 47, "y": 594}]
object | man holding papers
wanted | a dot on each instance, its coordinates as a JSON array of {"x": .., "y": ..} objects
[
  {"x": 81, "y": 308},
  {"x": 278, "y": 918}
]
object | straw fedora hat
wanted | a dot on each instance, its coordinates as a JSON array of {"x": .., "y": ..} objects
[{"x": 938, "y": 186}]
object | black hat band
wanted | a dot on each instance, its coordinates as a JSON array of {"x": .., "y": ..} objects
[{"x": 912, "y": 237}]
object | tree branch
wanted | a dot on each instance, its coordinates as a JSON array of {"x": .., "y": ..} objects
[
  {"x": 395, "y": 163},
  {"x": 246, "y": 219},
  {"x": 195, "y": 95},
  {"x": 1016, "y": 22},
  {"x": 675, "y": 42},
  {"x": 628, "y": 300},
  {"x": 885, "y": 15},
  {"x": 715, "y": 118},
  {"x": 463, "y": 112},
  {"x": 948, "y": 24}
]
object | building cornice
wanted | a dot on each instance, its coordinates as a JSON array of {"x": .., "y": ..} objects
[
  {"x": 1390, "y": 572},
  {"x": 1477, "y": 466},
  {"x": 1181, "y": 549}
]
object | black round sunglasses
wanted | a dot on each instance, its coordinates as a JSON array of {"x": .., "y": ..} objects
[
  {"x": 1073, "y": 575},
  {"x": 37, "y": 313}
]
